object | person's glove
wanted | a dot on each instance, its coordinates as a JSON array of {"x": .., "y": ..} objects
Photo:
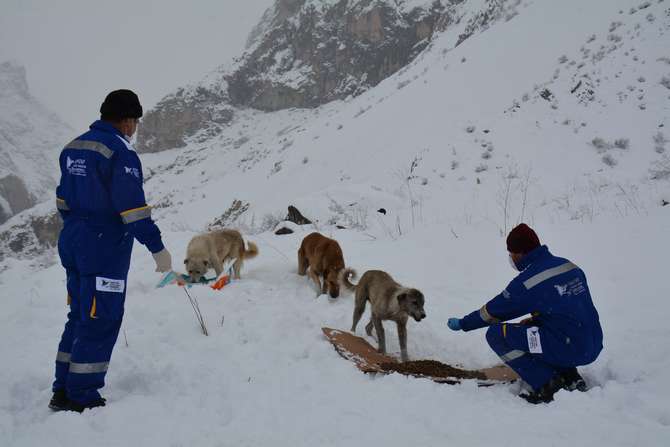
[
  {"x": 454, "y": 324},
  {"x": 163, "y": 261}
]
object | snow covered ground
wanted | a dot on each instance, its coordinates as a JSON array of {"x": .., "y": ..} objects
[
  {"x": 268, "y": 376},
  {"x": 457, "y": 147}
]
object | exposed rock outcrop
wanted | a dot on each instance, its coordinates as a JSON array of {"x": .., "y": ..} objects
[
  {"x": 31, "y": 138},
  {"x": 303, "y": 53}
]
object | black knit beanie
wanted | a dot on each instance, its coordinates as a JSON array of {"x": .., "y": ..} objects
[{"x": 120, "y": 104}]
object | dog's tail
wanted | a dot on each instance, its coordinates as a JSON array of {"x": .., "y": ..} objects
[
  {"x": 251, "y": 252},
  {"x": 345, "y": 277}
]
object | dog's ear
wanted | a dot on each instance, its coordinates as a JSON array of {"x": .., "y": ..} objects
[
  {"x": 186, "y": 261},
  {"x": 402, "y": 298}
]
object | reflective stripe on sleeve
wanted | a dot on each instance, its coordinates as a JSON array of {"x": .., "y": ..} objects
[
  {"x": 94, "y": 146},
  {"x": 549, "y": 273},
  {"x": 63, "y": 357},
  {"x": 512, "y": 355},
  {"x": 61, "y": 204},
  {"x": 486, "y": 316},
  {"x": 88, "y": 368},
  {"x": 136, "y": 214}
]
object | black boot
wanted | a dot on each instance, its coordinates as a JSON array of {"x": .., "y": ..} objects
[
  {"x": 79, "y": 408},
  {"x": 546, "y": 393},
  {"x": 59, "y": 401},
  {"x": 573, "y": 381}
]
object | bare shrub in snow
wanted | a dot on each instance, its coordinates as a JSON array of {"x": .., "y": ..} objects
[
  {"x": 661, "y": 169},
  {"x": 486, "y": 155},
  {"x": 563, "y": 59},
  {"x": 641, "y": 79},
  {"x": 481, "y": 168},
  {"x": 659, "y": 142},
  {"x": 665, "y": 82},
  {"x": 454, "y": 165},
  {"x": 470, "y": 129},
  {"x": 403, "y": 84},
  {"x": 353, "y": 215},
  {"x": 609, "y": 160},
  {"x": 622, "y": 143},
  {"x": 614, "y": 26},
  {"x": 600, "y": 144}
]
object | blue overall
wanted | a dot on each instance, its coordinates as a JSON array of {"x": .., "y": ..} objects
[
  {"x": 565, "y": 331},
  {"x": 101, "y": 199}
]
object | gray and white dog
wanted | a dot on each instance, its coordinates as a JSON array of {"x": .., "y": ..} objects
[{"x": 388, "y": 301}]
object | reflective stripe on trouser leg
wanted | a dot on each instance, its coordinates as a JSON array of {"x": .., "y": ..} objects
[
  {"x": 513, "y": 350},
  {"x": 91, "y": 353}
]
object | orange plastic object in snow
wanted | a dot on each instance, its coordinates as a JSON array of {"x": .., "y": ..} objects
[{"x": 221, "y": 282}]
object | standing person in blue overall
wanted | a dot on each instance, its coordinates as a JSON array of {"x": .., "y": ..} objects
[
  {"x": 564, "y": 330},
  {"x": 101, "y": 200}
]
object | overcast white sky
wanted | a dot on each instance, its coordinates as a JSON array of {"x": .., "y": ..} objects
[{"x": 76, "y": 51}]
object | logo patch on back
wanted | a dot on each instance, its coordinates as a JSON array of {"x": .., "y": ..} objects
[
  {"x": 76, "y": 166},
  {"x": 109, "y": 285},
  {"x": 534, "y": 344}
]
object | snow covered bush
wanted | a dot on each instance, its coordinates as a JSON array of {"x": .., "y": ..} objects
[
  {"x": 659, "y": 142},
  {"x": 665, "y": 82},
  {"x": 600, "y": 144},
  {"x": 661, "y": 169},
  {"x": 609, "y": 160},
  {"x": 622, "y": 143}
]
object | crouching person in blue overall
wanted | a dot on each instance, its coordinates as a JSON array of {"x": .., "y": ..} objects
[
  {"x": 564, "y": 330},
  {"x": 101, "y": 200}
]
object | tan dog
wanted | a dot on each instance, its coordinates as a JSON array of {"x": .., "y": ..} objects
[
  {"x": 388, "y": 301},
  {"x": 324, "y": 258},
  {"x": 213, "y": 249}
]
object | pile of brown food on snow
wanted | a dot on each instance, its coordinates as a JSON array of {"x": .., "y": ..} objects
[{"x": 431, "y": 368}]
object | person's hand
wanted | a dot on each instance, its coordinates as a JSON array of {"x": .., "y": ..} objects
[
  {"x": 454, "y": 324},
  {"x": 163, "y": 261}
]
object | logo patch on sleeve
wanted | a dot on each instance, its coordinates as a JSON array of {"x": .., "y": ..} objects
[
  {"x": 109, "y": 285},
  {"x": 132, "y": 171},
  {"x": 534, "y": 344}
]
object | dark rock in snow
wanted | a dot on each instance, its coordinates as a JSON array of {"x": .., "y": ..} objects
[{"x": 295, "y": 216}]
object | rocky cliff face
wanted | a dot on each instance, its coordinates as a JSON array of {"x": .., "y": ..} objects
[
  {"x": 303, "y": 53},
  {"x": 31, "y": 138}
]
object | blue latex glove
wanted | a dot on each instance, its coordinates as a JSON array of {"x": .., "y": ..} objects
[{"x": 454, "y": 324}]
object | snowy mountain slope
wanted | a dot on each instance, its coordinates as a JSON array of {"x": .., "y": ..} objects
[
  {"x": 30, "y": 139},
  {"x": 474, "y": 119},
  {"x": 412, "y": 145}
]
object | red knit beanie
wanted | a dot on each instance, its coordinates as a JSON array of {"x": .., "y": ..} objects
[{"x": 522, "y": 239}]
